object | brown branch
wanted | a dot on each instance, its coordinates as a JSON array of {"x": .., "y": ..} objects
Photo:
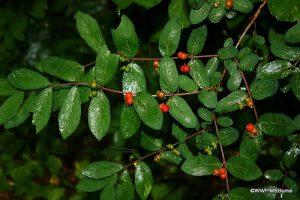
[
  {"x": 250, "y": 23},
  {"x": 89, "y": 64},
  {"x": 221, "y": 149}
]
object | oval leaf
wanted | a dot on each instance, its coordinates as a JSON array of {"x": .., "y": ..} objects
[
  {"x": 168, "y": 75},
  {"x": 89, "y": 30},
  {"x": 129, "y": 122},
  {"x": 101, "y": 169},
  {"x": 125, "y": 38},
  {"x": 263, "y": 88},
  {"x": 148, "y": 110},
  {"x": 92, "y": 185},
  {"x": 285, "y": 10},
  {"x": 67, "y": 70},
  {"x": 276, "y": 124},
  {"x": 295, "y": 85},
  {"x": 99, "y": 115},
  {"x": 105, "y": 67},
  {"x": 228, "y": 136},
  {"x": 208, "y": 98},
  {"x": 187, "y": 84},
  {"x": 217, "y": 13},
  {"x": 227, "y": 53},
  {"x": 201, "y": 165},
  {"x": 199, "y": 15},
  {"x": 134, "y": 81},
  {"x": 169, "y": 37},
  {"x": 244, "y": 6},
  {"x": 230, "y": 102},
  {"x": 10, "y": 107},
  {"x": 197, "y": 40},
  {"x": 150, "y": 143},
  {"x": 42, "y": 109},
  {"x": 250, "y": 147},
  {"x": 70, "y": 112},
  {"x": 143, "y": 180},
  {"x": 273, "y": 174},
  {"x": 199, "y": 73},
  {"x": 125, "y": 187},
  {"x": 241, "y": 167},
  {"x": 182, "y": 112},
  {"x": 26, "y": 79},
  {"x": 293, "y": 34},
  {"x": 276, "y": 69}
]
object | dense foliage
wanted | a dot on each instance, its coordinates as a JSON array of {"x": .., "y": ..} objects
[{"x": 149, "y": 99}]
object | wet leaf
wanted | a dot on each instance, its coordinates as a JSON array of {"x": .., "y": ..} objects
[
  {"x": 101, "y": 169},
  {"x": 143, "y": 180},
  {"x": 10, "y": 107},
  {"x": 168, "y": 75}
]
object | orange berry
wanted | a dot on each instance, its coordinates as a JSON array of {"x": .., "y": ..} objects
[
  {"x": 156, "y": 64},
  {"x": 229, "y": 4},
  {"x": 223, "y": 176},
  {"x": 157, "y": 157},
  {"x": 250, "y": 104},
  {"x": 222, "y": 170},
  {"x": 216, "y": 172},
  {"x": 160, "y": 94},
  {"x": 181, "y": 55}
]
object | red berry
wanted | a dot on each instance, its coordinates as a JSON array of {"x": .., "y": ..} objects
[
  {"x": 223, "y": 176},
  {"x": 181, "y": 55},
  {"x": 250, "y": 127},
  {"x": 155, "y": 63},
  {"x": 229, "y": 4},
  {"x": 164, "y": 107},
  {"x": 222, "y": 170},
  {"x": 216, "y": 172},
  {"x": 185, "y": 68},
  {"x": 128, "y": 98}
]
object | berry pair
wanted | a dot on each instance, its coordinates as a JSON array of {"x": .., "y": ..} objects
[
  {"x": 181, "y": 55},
  {"x": 248, "y": 102},
  {"x": 164, "y": 107},
  {"x": 221, "y": 172},
  {"x": 128, "y": 97},
  {"x": 250, "y": 128}
]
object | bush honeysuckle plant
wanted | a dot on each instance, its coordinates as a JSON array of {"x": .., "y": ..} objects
[{"x": 203, "y": 117}]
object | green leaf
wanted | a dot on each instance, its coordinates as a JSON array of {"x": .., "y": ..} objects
[
  {"x": 295, "y": 85},
  {"x": 196, "y": 4},
  {"x": 99, "y": 115},
  {"x": 85, "y": 91},
  {"x": 182, "y": 112},
  {"x": 199, "y": 73},
  {"x": 290, "y": 156},
  {"x": 224, "y": 121},
  {"x": 227, "y": 53},
  {"x": 199, "y": 15},
  {"x": 168, "y": 75},
  {"x": 70, "y": 112},
  {"x": 212, "y": 66},
  {"x": 5, "y": 88},
  {"x": 101, "y": 169},
  {"x": 250, "y": 147},
  {"x": 187, "y": 84},
  {"x": 297, "y": 122},
  {"x": 23, "y": 113},
  {"x": 277, "y": 124},
  {"x": 205, "y": 114},
  {"x": 171, "y": 157},
  {"x": 240, "y": 193},
  {"x": 169, "y": 37},
  {"x": 129, "y": 121},
  {"x": 109, "y": 192},
  {"x": 234, "y": 81},
  {"x": 150, "y": 143},
  {"x": 241, "y": 167},
  {"x": 217, "y": 13},
  {"x": 125, "y": 38},
  {"x": 184, "y": 150},
  {"x": 143, "y": 180},
  {"x": 281, "y": 50},
  {"x": 125, "y": 187},
  {"x": 10, "y": 107},
  {"x": 273, "y": 174},
  {"x": 276, "y": 69},
  {"x": 285, "y": 10},
  {"x": 208, "y": 98},
  {"x": 67, "y": 70},
  {"x": 148, "y": 110},
  {"x": 228, "y": 136},
  {"x": 197, "y": 40},
  {"x": 134, "y": 81},
  {"x": 249, "y": 62},
  {"x": 205, "y": 140},
  {"x": 244, "y": 6},
  {"x": 42, "y": 109},
  {"x": 106, "y": 67},
  {"x": 200, "y": 165},
  {"x": 178, "y": 8},
  {"x": 26, "y": 79},
  {"x": 293, "y": 34},
  {"x": 178, "y": 133},
  {"x": 122, "y": 4},
  {"x": 263, "y": 88},
  {"x": 90, "y": 32},
  {"x": 230, "y": 102},
  {"x": 290, "y": 184},
  {"x": 147, "y": 3},
  {"x": 58, "y": 98}
]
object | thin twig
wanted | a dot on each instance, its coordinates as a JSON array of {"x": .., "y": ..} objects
[
  {"x": 251, "y": 22},
  {"x": 221, "y": 149}
]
